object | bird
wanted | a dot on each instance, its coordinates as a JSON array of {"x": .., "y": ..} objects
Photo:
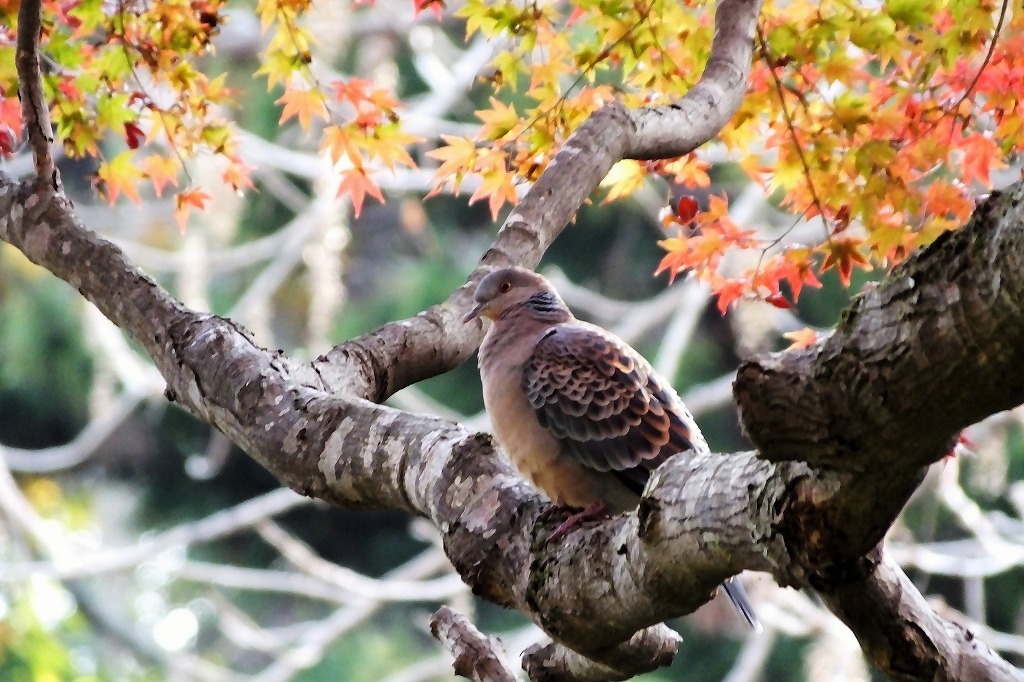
[{"x": 581, "y": 414}]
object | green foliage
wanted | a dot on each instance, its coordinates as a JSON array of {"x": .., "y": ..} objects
[{"x": 45, "y": 368}]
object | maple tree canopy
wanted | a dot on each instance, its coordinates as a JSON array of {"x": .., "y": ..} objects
[{"x": 883, "y": 121}]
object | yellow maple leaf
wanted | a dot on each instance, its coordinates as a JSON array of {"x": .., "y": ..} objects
[
  {"x": 389, "y": 143},
  {"x": 457, "y": 157},
  {"x": 622, "y": 180},
  {"x": 498, "y": 187},
  {"x": 500, "y": 121}
]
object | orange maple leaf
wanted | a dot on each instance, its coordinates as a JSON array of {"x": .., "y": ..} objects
[
  {"x": 728, "y": 290},
  {"x": 801, "y": 338},
  {"x": 161, "y": 171},
  {"x": 843, "y": 254},
  {"x": 184, "y": 202},
  {"x": 980, "y": 155},
  {"x": 356, "y": 184},
  {"x": 498, "y": 187},
  {"x": 338, "y": 142},
  {"x": 237, "y": 174},
  {"x": 354, "y": 90},
  {"x": 677, "y": 259}
]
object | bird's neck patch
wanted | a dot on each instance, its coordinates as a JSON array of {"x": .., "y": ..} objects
[{"x": 546, "y": 303}]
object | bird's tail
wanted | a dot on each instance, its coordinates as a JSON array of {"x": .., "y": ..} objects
[{"x": 738, "y": 596}]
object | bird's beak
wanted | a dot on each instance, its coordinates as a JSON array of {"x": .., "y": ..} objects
[{"x": 473, "y": 314}]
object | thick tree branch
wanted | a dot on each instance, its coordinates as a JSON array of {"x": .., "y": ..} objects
[{"x": 915, "y": 359}]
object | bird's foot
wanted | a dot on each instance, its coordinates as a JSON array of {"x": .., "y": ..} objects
[{"x": 595, "y": 510}]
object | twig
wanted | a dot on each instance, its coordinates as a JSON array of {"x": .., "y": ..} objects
[
  {"x": 791, "y": 126},
  {"x": 984, "y": 62}
]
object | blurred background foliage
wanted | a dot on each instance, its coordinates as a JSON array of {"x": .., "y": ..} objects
[{"x": 398, "y": 259}]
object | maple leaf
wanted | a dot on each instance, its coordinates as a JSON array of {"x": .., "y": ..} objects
[
  {"x": 356, "y": 184},
  {"x": 794, "y": 266},
  {"x": 184, "y": 202},
  {"x": 779, "y": 301},
  {"x": 133, "y": 135},
  {"x": 497, "y": 183},
  {"x": 623, "y": 179},
  {"x": 7, "y": 141},
  {"x": 303, "y": 104},
  {"x": 354, "y": 90},
  {"x": 119, "y": 176},
  {"x": 801, "y": 338},
  {"x": 161, "y": 171},
  {"x": 338, "y": 142},
  {"x": 944, "y": 198},
  {"x": 980, "y": 155},
  {"x": 237, "y": 174},
  {"x": 718, "y": 208},
  {"x": 434, "y": 6},
  {"x": 500, "y": 120},
  {"x": 844, "y": 254},
  {"x": 728, "y": 291},
  {"x": 677, "y": 259},
  {"x": 10, "y": 114},
  {"x": 388, "y": 145},
  {"x": 689, "y": 171},
  {"x": 457, "y": 157}
]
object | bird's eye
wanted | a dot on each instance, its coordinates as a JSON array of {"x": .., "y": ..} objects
[{"x": 505, "y": 287}]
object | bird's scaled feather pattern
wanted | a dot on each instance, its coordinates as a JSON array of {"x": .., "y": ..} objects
[
  {"x": 605, "y": 404},
  {"x": 579, "y": 412}
]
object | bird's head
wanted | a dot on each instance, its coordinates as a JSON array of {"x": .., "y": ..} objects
[{"x": 504, "y": 288}]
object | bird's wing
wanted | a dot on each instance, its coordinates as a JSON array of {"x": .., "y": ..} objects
[{"x": 605, "y": 403}]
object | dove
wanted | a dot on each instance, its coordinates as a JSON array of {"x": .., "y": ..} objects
[{"x": 581, "y": 414}]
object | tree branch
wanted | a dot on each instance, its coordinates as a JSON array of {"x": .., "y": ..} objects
[
  {"x": 35, "y": 112},
  {"x": 927, "y": 352},
  {"x": 903, "y": 636},
  {"x": 476, "y": 654},
  {"x": 663, "y": 132}
]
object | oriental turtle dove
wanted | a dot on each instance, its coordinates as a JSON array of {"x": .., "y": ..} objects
[{"x": 580, "y": 413}]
